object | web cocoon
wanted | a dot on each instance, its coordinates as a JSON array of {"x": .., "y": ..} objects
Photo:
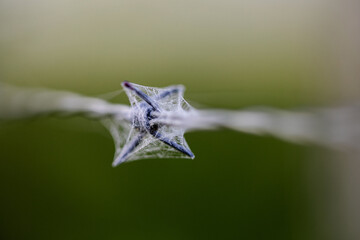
[{"x": 170, "y": 102}]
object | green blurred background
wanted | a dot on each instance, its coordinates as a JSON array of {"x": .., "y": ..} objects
[{"x": 56, "y": 179}]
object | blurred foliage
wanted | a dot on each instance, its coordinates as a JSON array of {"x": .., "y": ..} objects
[
  {"x": 56, "y": 178},
  {"x": 57, "y": 182}
]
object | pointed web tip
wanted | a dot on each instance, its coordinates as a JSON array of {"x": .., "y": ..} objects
[
  {"x": 127, "y": 84},
  {"x": 117, "y": 162},
  {"x": 188, "y": 152},
  {"x": 114, "y": 164}
]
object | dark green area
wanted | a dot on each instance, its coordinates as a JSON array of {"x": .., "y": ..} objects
[{"x": 57, "y": 182}]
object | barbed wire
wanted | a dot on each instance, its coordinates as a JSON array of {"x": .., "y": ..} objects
[{"x": 336, "y": 127}]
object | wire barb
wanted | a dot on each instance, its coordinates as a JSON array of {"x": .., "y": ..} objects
[{"x": 146, "y": 108}]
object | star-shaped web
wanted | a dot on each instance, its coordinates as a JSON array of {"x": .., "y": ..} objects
[{"x": 144, "y": 137}]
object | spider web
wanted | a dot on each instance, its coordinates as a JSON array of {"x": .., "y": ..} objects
[{"x": 169, "y": 100}]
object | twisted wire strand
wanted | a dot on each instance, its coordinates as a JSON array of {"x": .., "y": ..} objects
[
  {"x": 332, "y": 127},
  {"x": 18, "y": 103}
]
